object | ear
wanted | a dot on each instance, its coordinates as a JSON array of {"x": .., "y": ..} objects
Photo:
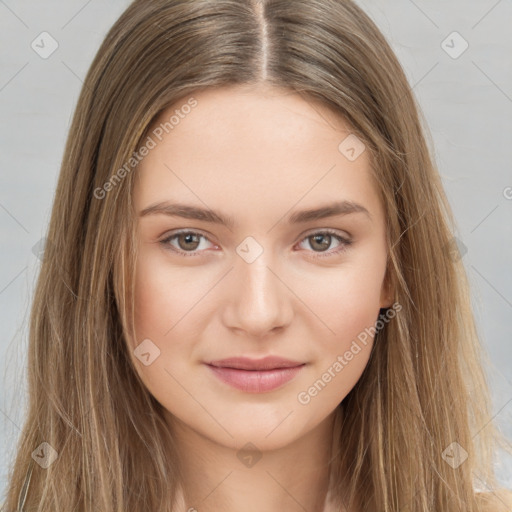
[{"x": 387, "y": 295}]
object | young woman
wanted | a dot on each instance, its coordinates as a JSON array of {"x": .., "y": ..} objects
[{"x": 249, "y": 298}]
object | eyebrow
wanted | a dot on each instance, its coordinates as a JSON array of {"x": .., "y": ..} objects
[{"x": 337, "y": 208}]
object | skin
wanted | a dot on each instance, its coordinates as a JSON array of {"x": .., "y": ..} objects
[{"x": 257, "y": 155}]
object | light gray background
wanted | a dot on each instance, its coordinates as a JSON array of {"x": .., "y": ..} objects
[{"x": 467, "y": 102}]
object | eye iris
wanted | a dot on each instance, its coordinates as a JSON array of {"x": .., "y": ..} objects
[
  {"x": 322, "y": 246},
  {"x": 187, "y": 237}
]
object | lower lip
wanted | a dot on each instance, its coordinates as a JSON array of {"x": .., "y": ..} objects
[{"x": 255, "y": 381}]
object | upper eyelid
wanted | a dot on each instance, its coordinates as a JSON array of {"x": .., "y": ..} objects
[{"x": 303, "y": 235}]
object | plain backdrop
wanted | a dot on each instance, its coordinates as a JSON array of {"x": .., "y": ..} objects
[{"x": 457, "y": 56}]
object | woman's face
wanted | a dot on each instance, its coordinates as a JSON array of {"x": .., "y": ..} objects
[{"x": 247, "y": 249}]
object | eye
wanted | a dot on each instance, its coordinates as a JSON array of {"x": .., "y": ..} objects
[
  {"x": 322, "y": 240},
  {"x": 189, "y": 242}
]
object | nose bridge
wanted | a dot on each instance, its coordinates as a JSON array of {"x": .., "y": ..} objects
[{"x": 260, "y": 301}]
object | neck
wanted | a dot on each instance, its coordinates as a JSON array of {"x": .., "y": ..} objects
[{"x": 294, "y": 477}]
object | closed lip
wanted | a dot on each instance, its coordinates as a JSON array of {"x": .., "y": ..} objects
[{"x": 247, "y": 363}]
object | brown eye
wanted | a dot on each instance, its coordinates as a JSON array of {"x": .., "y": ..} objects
[
  {"x": 188, "y": 243},
  {"x": 322, "y": 240}
]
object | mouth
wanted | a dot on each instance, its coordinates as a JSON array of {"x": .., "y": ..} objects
[{"x": 255, "y": 375}]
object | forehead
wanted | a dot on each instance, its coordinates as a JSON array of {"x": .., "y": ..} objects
[
  {"x": 252, "y": 115},
  {"x": 254, "y": 148}
]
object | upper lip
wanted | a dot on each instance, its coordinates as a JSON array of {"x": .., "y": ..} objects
[{"x": 246, "y": 363}]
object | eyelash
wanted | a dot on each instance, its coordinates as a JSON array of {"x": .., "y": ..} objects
[{"x": 345, "y": 242}]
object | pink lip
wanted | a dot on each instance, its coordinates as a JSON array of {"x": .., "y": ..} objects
[
  {"x": 255, "y": 375},
  {"x": 247, "y": 363}
]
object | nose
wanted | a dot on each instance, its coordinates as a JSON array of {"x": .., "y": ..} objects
[{"x": 259, "y": 301}]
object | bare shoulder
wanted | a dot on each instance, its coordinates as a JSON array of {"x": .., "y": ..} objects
[{"x": 499, "y": 500}]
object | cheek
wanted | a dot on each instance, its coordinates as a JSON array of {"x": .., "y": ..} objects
[
  {"x": 342, "y": 352},
  {"x": 164, "y": 314},
  {"x": 154, "y": 305},
  {"x": 349, "y": 305},
  {"x": 349, "y": 299},
  {"x": 150, "y": 303},
  {"x": 160, "y": 296}
]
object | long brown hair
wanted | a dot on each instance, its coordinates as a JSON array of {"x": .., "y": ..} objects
[{"x": 424, "y": 387}]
